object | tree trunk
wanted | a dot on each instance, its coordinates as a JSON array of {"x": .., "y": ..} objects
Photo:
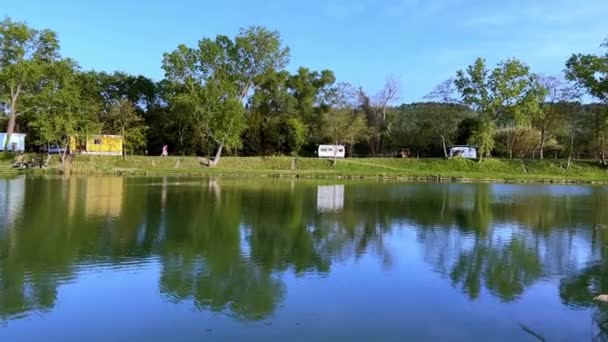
[
  {"x": 63, "y": 156},
  {"x": 572, "y": 131},
  {"x": 384, "y": 115},
  {"x": 571, "y": 148},
  {"x": 598, "y": 141},
  {"x": 542, "y": 144},
  {"x": 602, "y": 153},
  {"x": 12, "y": 116},
  {"x": 510, "y": 144},
  {"x": 218, "y": 154},
  {"x": 124, "y": 145},
  {"x": 335, "y": 153},
  {"x": 445, "y": 150}
]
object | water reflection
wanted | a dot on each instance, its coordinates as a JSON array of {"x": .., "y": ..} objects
[
  {"x": 11, "y": 203},
  {"x": 227, "y": 245},
  {"x": 330, "y": 197}
]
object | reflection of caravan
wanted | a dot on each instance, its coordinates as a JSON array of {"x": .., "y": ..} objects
[
  {"x": 469, "y": 152},
  {"x": 12, "y": 197},
  {"x": 328, "y": 151},
  {"x": 330, "y": 197}
]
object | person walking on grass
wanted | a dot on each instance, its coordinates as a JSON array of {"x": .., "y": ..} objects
[{"x": 165, "y": 151}]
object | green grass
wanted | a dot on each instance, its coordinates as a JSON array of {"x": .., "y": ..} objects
[
  {"x": 498, "y": 170},
  {"x": 6, "y": 162}
]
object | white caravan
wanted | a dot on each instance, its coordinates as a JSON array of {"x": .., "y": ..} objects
[
  {"x": 328, "y": 151},
  {"x": 468, "y": 152}
]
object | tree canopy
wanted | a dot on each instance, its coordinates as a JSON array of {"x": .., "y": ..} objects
[{"x": 235, "y": 95}]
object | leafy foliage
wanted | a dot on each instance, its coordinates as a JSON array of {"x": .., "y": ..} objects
[
  {"x": 122, "y": 118},
  {"x": 233, "y": 95}
]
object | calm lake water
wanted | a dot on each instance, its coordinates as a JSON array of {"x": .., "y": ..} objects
[{"x": 183, "y": 259}]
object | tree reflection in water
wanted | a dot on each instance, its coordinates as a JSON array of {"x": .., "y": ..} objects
[{"x": 225, "y": 245}]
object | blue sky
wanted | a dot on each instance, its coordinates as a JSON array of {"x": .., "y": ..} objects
[{"x": 420, "y": 42}]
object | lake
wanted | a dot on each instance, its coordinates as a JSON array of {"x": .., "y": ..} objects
[{"x": 219, "y": 259}]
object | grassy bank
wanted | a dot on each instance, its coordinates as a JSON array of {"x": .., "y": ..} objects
[{"x": 497, "y": 170}]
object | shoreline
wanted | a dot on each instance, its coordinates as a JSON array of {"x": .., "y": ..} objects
[{"x": 372, "y": 169}]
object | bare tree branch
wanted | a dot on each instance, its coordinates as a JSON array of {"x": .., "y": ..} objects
[
  {"x": 444, "y": 92},
  {"x": 387, "y": 95}
]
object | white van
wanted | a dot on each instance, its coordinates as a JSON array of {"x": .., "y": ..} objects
[
  {"x": 328, "y": 151},
  {"x": 468, "y": 152}
]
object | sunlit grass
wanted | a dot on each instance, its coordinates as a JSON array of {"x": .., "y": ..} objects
[{"x": 416, "y": 169}]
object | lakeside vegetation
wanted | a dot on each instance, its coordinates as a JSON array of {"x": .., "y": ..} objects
[
  {"x": 233, "y": 96},
  {"x": 424, "y": 169}
]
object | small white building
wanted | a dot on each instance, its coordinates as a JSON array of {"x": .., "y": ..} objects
[
  {"x": 16, "y": 144},
  {"x": 330, "y": 151},
  {"x": 469, "y": 152}
]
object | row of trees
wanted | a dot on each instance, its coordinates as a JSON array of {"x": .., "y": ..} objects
[{"x": 234, "y": 94}]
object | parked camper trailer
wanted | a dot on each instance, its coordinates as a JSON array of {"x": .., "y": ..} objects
[
  {"x": 16, "y": 144},
  {"x": 330, "y": 151},
  {"x": 469, "y": 152}
]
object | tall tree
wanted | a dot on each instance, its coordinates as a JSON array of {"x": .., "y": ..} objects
[
  {"x": 123, "y": 119},
  {"x": 444, "y": 117},
  {"x": 62, "y": 111},
  {"x": 590, "y": 72},
  {"x": 310, "y": 90},
  {"x": 376, "y": 110},
  {"x": 108, "y": 88},
  {"x": 509, "y": 92},
  {"x": 342, "y": 124},
  {"x": 444, "y": 92},
  {"x": 388, "y": 95},
  {"x": 557, "y": 92},
  {"x": 439, "y": 120},
  {"x": 215, "y": 78},
  {"x": 24, "y": 52},
  {"x": 269, "y": 109}
]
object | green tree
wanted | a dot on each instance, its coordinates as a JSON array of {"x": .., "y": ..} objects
[
  {"x": 507, "y": 93},
  {"x": 123, "y": 119},
  {"x": 214, "y": 79},
  {"x": 343, "y": 125},
  {"x": 269, "y": 109},
  {"x": 110, "y": 87},
  {"x": 549, "y": 115},
  {"x": 445, "y": 117},
  {"x": 310, "y": 90},
  {"x": 296, "y": 136},
  {"x": 24, "y": 52},
  {"x": 61, "y": 110},
  {"x": 376, "y": 109},
  {"x": 590, "y": 72}
]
